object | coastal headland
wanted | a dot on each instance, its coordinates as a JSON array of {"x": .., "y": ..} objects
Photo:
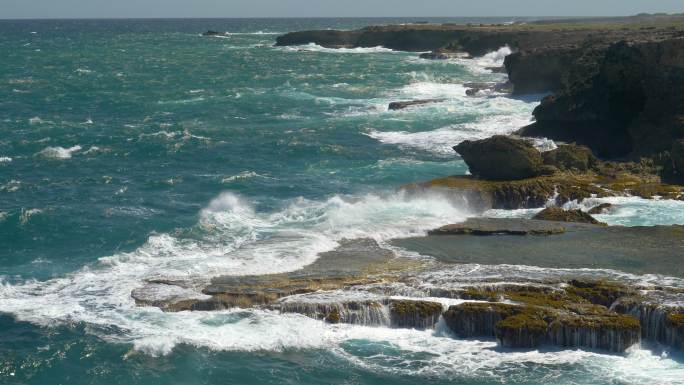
[{"x": 614, "y": 107}]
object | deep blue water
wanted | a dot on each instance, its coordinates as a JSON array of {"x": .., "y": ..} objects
[{"x": 138, "y": 149}]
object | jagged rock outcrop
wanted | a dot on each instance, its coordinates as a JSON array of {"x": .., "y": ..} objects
[
  {"x": 501, "y": 158},
  {"x": 629, "y": 106},
  {"x": 570, "y": 157},
  {"x": 607, "y": 179},
  {"x": 473, "y": 89},
  {"x": 555, "y": 213}
]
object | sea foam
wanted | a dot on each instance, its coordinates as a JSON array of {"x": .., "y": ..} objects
[
  {"x": 229, "y": 238},
  {"x": 58, "y": 152}
]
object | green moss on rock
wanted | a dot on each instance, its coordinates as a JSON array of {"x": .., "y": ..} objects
[{"x": 675, "y": 321}]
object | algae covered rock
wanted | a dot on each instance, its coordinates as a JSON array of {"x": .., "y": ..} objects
[
  {"x": 571, "y": 157},
  {"x": 599, "y": 292},
  {"x": 501, "y": 158},
  {"x": 612, "y": 332},
  {"x": 524, "y": 330},
  {"x": 414, "y": 314},
  {"x": 477, "y": 319},
  {"x": 555, "y": 213}
]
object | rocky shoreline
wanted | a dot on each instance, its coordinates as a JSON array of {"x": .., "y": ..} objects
[
  {"x": 615, "y": 88},
  {"x": 363, "y": 284},
  {"x": 617, "y": 114}
]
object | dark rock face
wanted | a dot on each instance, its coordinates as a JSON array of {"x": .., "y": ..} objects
[
  {"x": 555, "y": 213},
  {"x": 630, "y": 105},
  {"x": 501, "y": 158},
  {"x": 473, "y": 89},
  {"x": 571, "y": 157},
  {"x": 674, "y": 169},
  {"x": 677, "y": 153},
  {"x": 541, "y": 70},
  {"x": 401, "y": 105}
]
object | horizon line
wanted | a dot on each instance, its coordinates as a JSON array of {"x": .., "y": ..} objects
[{"x": 325, "y": 17}]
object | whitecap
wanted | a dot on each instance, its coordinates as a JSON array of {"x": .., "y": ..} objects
[
  {"x": 58, "y": 152},
  {"x": 26, "y": 215},
  {"x": 498, "y": 116},
  {"x": 11, "y": 186},
  {"x": 5, "y": 159},
  {"x": 243, "y": 175},
  {"x": 234, "y": 239}
]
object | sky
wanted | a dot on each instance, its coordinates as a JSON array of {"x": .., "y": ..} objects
[{"x": 327, "y": 8}]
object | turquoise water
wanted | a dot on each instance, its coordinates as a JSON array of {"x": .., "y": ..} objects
[{"x": 139, "y": 149}]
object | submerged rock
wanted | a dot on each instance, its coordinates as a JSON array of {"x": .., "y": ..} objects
[
  {"x": 213, "y": 33},
  {"x": 501, "y": 158},
  {"x": 557, "y": 214},
  {"x": 442, "y": 54},
  {"x": 401, "y": 105},
  {"x": 600, "y": 209}
]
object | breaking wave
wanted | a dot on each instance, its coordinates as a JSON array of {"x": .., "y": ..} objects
[
  {"x": 58, "y": 152},
  {"x": 231, "y": 238}
]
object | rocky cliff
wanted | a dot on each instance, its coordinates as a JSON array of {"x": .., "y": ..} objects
[
  {"x": 474, "y": 40},
  {"x": 629, "y": 104}
]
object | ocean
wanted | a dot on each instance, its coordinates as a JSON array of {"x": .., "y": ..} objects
[{"x": 139, "y": 149}]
